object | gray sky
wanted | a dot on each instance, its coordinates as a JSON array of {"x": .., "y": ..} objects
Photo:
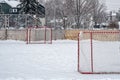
[{"x": 113, "y": 4}]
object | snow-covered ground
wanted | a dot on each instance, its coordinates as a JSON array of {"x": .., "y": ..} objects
[{"x": 57, "y": 61}]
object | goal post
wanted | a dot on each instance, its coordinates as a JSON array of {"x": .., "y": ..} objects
[
  {"x": 39, "y": 35},
  {"x": 99, "y": 52}
]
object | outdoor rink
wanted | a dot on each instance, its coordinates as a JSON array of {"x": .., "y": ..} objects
[{"x": 57, "y": 61}]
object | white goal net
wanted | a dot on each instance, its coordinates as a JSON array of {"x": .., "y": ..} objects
[
  {"x": 39, "y": 35},
  {"x": 99, "y": 52}
]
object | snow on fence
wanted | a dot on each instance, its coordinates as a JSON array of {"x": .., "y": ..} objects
[
  {"x": 12, "y": 34},
  {"x": 2, "y": 34},
  {"x": 73, "y": 34},
  {"x": 20, "y": 34}
]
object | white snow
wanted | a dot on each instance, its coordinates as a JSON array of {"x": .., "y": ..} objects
[
  {"x": 57, "y": 61},
  {"x": 12, "y": 3}
]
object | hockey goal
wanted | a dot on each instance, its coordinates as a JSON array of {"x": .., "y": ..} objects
[
  {"x": 99, "y": 52},
  {"x": 40, "y": 35}
]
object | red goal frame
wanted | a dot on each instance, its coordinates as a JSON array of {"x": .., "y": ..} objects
[
  {"x": 91, "y": 52},
  {"x": 29, "y": 33}
]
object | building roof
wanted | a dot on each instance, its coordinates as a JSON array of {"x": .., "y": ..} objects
[
  {"x": 12, "y": 3},
  {"x": 2, "y": 1}
]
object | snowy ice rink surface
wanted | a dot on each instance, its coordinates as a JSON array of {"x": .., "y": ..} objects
[{"x": 57, "y": 61}]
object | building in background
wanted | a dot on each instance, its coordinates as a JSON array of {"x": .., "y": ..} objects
[
  {"x": 9, "y": 6},
  {"x": 16, "y": 21}
]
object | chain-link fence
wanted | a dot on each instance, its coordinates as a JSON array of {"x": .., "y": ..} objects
[{"x": 16, "y": 21}]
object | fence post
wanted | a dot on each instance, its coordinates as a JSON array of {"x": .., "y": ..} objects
[{"x": 6, "y": 34}]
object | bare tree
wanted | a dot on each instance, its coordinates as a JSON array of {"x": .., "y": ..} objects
[
  {"x": 81, "y": 12},
  {"x": 54, "y": 11},
  {"x": 99, "y": 13}
]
